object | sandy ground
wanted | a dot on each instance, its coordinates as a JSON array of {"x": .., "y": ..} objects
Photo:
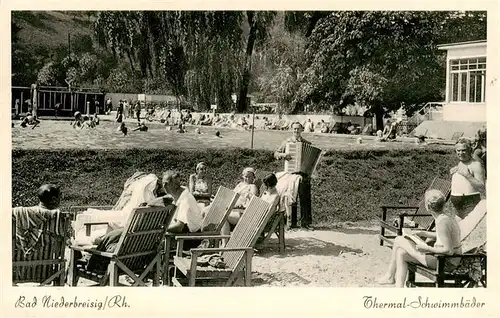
[
  {"x": 344, "y": 257},
  {"x": 347, "y": 257}
]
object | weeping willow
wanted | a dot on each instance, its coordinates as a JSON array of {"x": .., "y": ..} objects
[{"x": 199, "y": 54}]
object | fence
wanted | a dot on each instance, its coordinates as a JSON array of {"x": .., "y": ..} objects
[{"x": 48, "y": 97}]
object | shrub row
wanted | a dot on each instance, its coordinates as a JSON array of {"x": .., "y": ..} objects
[{"x": 348, "y": 186}]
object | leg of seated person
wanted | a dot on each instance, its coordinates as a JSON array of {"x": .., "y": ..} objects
[
  {"x": 232, "y": 219},
  {"x": 388, "y": 277},
  {"x": 107, "y": 244},
  {"x": 408, "y": 253}
]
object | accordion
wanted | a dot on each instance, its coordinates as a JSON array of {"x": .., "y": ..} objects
[{"x": 305, "y": 158}]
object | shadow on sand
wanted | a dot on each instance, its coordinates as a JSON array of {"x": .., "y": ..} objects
[
  {"x": 348, "y": 230},
  {"x": 281, "y": 279},
  {"x": 306, "y": 246}
]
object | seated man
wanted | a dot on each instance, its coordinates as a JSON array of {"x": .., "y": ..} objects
[
  {"x": 27, "y": 225},
  {"x": 187, "y": 218}
]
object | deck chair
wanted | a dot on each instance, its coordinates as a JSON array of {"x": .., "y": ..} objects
[
  {"x": 137, "y": 253},
  {"x": 45, "y": 262},
  {"x": 219, "y": 210},
  {"x": 237, "y": 254},
  {"x": 415, "y": 214},
  {"x": 472, "y": 269}
]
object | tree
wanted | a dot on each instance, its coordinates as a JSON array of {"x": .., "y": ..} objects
[
  {"x": 395, "y": 52},
  {"x": 258, "y": 24},
  {"x": 280, "y": 67}
]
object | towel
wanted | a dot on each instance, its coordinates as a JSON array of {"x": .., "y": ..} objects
[
  {"x": 288, "y": 189},
  {"x": 29, "y": 226},
  {"x": 138, "y": 189},
  {"x": 214, "y": 260}
]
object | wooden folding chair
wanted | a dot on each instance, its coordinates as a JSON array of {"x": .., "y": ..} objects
[
  {"x": 417, "y": 214},
  {"x": 471, "y": 272},
  {"x": 214, "y": 220},
  {"x": 137, "y": 253},
  {"x": 237, "y": 253},
  {"x": 46, "y": 264}
]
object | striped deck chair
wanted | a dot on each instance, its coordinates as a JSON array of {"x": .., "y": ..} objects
[
  {"x": 45, "y": 262},
  {"x": 137, "y": 253},
  {"x": 216, "y": 216},
  {"x": 471, "y": 272},
  {"x": 237, "y": 254},
  {"x": 416, "y": 214}
]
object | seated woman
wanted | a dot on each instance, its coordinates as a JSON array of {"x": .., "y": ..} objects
[
  {"x": 389, "y": 132},
  {"x": 270, "y": 193},
  {"x": 271, "y": 196},
  {"x": 247, "y": 189},
  {"x": 448, "y": 241},
  {"x": 200, "y": 184}
]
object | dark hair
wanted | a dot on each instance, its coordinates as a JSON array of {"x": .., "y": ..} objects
[
  {"x": 48, "y": 193},
  {"x": 270, "y": 180},
  {"x": 297, "y": 123}
]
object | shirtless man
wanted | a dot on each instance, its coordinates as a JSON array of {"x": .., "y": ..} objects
[{"x": 467, "y": 181}]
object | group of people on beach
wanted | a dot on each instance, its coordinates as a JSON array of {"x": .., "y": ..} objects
[{"x": 468, "y": 190}]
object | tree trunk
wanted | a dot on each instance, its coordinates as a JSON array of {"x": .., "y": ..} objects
[
  {"x": 241, "y": 104},
  {"x": 131, "y": 61},
  {"x": 379, "y": 117}
]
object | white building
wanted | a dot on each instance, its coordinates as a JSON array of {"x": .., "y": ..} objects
[{"x": 465, "y": 81}]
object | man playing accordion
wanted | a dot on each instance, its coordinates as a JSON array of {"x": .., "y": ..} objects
[{"x": 304, "y": 189}]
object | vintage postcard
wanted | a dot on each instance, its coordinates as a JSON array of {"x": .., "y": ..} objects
[{"x": 329, "y": 154}]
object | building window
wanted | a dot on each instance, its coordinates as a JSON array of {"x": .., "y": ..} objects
[{"x": 467, "y": 80}]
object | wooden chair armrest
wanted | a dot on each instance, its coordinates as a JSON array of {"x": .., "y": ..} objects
[
  {"x": 88, "y": 226},
  {"x": 201, "y": 237},
  {"x": 85, "y": 207},
  {"x": 398, "y": 207},
  {"x": 92, "y": 251},
  {"x": 175, "y": 235},
  {"x": 221, "y": 249},
  {"x": 81, "y": 248}
]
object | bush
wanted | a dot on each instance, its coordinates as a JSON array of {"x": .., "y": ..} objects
[{"x": 349, "y": 185}]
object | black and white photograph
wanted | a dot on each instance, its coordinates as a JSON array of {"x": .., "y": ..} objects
[{"x": 217, "y": 148}]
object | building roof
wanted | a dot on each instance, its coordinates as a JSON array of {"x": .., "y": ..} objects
[{"x": 462, "y": 44}]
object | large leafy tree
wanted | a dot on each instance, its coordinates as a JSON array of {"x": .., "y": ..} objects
[
  {"x": 382, "y": 60},
  {"x": 197, "y": 52},
  {"x": 280, "y": 66}
]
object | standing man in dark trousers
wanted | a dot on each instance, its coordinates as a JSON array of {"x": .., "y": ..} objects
[{"x": 304, "y": 191}]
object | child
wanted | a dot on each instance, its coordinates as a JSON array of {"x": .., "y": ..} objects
[
  {"x": 123, "y": 128},
  {"x": 77, "y": 122}
]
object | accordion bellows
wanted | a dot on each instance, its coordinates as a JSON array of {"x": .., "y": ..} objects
[{"x": 305, "y": 158}]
